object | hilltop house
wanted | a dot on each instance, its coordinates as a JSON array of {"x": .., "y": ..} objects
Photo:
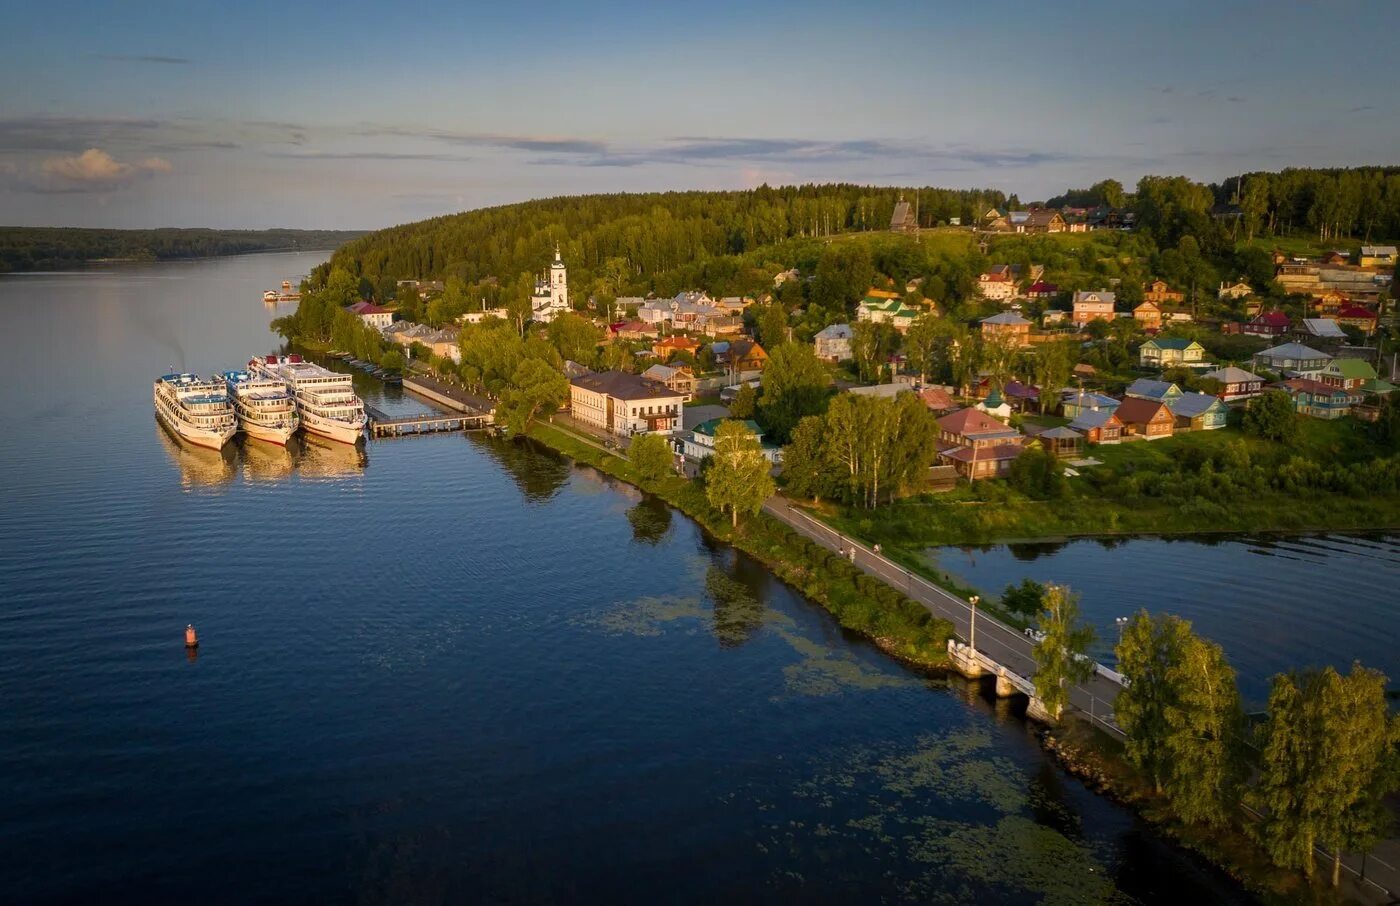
[
  {"x": 1377, "y": 256},
  {"x": 1076, "y": 402},
  {"x": 977, "y": 445},
  {"x": 884, "y": 307},
  {"x": 1042, "y": 290},
  {"x": 1293, "y": 359},
  {"x": 997, "y": 284},
  {"x": 1237, "y": 383},
  {"x": 833, "y": 343},
  {"x": 676, "y": 377},
  {"x": 625, "y": 404},
  {"x": 1198, "y": 412},
  {"x": 1008, "y": 323},
  {"x": 740, "y": 356},
  {"x": 1166, "y": 352},
  {"x": 1358, "y": 316},
  {"x": 1157, "y": 291},
  {"x": 1237, "y": 290},
  {"x": 1093, "y": 306},
  {"x": 1149, "y": 315},
  {"x": 1145, "y": 418},
  {"x": 1323, "y": 330}
]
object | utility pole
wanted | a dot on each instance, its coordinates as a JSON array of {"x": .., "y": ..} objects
[{"x": 972, "y": 631}]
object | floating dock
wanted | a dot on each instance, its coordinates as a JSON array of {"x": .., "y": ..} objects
[{"x": 382, "y": 424}]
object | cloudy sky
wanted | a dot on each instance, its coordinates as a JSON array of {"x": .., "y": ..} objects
[{"x": 359, "y": 115}]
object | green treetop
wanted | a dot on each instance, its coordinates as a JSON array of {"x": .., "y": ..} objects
[
  {"x": 737, "y": 479},
  {"x": 1060, "y": 654}
]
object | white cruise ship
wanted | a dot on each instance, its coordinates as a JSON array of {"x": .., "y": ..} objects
[
  {"x": 325, "y": 400},
  {"x": 264, "y": 406},
  {"x": 195, "y": 410}
]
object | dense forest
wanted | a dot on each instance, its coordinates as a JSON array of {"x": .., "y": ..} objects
[{"x": 52, "y": 248}]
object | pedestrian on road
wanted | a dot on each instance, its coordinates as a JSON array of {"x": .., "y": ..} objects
[{"x": 877, "y": 548}]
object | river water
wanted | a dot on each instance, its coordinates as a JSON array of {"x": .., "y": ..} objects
[
  {"x": 1273, "y": 603},
  {"x": 448, "y": 668}
]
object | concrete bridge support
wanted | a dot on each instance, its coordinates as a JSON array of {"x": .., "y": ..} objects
[
  {"x": 964, "y": 660},
  {"x": 1005, "y": 688}
]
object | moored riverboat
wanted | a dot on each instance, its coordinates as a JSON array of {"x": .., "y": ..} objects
[
  {"x": 264, "y": 406},
  {"x": 325, "y": 400},
  {"x": 195, "y": 409}
]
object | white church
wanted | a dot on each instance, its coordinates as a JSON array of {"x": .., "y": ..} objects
[{"x": 551, "y": 296}]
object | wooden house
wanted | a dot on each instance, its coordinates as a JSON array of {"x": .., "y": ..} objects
[{"x": 1145, "y": 419}]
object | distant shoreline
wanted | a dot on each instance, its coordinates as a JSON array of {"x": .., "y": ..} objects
[{"x": 58, "y": 249}]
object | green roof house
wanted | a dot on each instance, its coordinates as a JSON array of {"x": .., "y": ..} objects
[{"x": 1166, "y": 352}]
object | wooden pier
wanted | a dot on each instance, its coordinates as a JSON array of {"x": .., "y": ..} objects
[{"x": 382, "y": 424}]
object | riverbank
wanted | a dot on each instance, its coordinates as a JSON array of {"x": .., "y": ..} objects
[
  {"x": 899, "y": 626},
  {"x": 1081, "y": 748}
]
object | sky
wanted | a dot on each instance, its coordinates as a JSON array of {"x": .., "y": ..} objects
[{"x": 354, "y": 115}]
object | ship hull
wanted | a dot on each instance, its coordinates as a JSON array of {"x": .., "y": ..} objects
[
  {"x": 200, "y": 437},
  {"x": 272, "y": 434},
  {"x": 341, "y": 432}
]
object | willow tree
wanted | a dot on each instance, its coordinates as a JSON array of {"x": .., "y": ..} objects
[
  {"x": 737, "y": 479},
  {"x": 1205, "y": 728},
  {"x": 1060, "y": 658}
]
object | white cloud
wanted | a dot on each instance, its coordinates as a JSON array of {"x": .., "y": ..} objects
[{"x": 94, "y": 171}]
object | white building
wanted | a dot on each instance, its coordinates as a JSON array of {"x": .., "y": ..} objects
[
  {"x": 625, "y": 404},
  {"x": 371, "y": 314},
  {"x": 700, "y": 443},
  {"x": 833, "y": 343},
  {"x": 551, "y": 296}
]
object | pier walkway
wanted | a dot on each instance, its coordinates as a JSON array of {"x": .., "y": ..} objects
[{"x": 381, "y": 424}]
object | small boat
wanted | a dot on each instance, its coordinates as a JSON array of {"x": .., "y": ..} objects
[{"x": 392, "y": 379}]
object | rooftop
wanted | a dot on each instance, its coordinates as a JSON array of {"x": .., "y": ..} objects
[{"x": 623, "y": 386}]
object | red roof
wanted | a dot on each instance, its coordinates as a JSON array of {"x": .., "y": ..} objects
[
  {"x": 1137, "y": 411},
  {"x": 971, "y": 422},
  {"x": 937, "y": 399},
  {"x": 679, "y": 343},
  {"x": 1316, "y": 388},
  {"x": 1356, "y": 311},
  {"x": 366, "y": 308},
  {"x": 985, "y": 454},
  {"x": 1272, "y": 319},
  {"x": 1040, "y": 286}
]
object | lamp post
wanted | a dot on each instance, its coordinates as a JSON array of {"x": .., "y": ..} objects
[
  {"x": 972, "y": 632},
  {"x": 1120, "y": 622}
]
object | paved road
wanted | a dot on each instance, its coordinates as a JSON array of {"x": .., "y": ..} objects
[{"x": 1005, "y": 645}]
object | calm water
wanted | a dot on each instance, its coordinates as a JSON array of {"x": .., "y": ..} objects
[
  {"x": 448, "y": 669},
  {"x": 1274, "y": 604}
]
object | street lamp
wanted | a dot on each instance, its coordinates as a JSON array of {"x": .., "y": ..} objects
[
  {"x": 1121, "y": 622},
  {"x": 972, "y": 632}
]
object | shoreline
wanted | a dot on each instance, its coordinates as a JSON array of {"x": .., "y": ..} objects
[{"x": 1091, "y": 763}]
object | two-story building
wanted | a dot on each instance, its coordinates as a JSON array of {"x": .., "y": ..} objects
[
  {"x": 1010, "y": 324},
  {"x": 833, "y": 343},
  {"x": 1315, "y": 399},
  {"x": 1198, "y": 412},
  {"x": 1347, "y": 374},
  {"x": 699, "y": 444},
  {"x": 1267, "y": 324},
  {"x": 741, "y": 356},
  {"x": 1145, "y": 419},
  {"x": 1167, "y": 352},
  {"x": 625, "y": 404},
  {"x": 1293, "y": 359},
  {"x": 1093, "y": 305},
  {"x": 1158, "y": 292},
  {"x": 1149, "y": 315},
  {"x": 373, "y": 315},
  {"x": 676, "y": 377},
  {"x": 879, "y": 309},
  {"x": 977, "y": 445},
  {"x": 997, "y": 284},
  {"x": 1236, "y": 383}
]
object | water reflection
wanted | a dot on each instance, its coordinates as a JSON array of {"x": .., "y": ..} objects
[
  {"x": 322, "y": 458},
  {"x": 650, "y": 520},
  {"x": 738, "y": 612},
  {"x": 539, "y": 473},
  {"x": 263, "y": 461},
  {"x": 199, "y": 466}
]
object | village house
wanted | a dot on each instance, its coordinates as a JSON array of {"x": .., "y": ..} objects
[
  {"x": 1377, "y": 256},
  {"x": 1053, "y": 317},
  {"x": 1145, "y": 419},
  {"x": 476, "y": 317},
  {"x": 1236, "y": 383},
  {"x": 371, "y": 314},
  {"x": 1062, "y": 441},
  {"x": 1021, "y": 397},
  {"x": 443, "y": 344},
  {"x": 833, "y": 343},
  {"x": 634, "y": 330},
  {"x": 1093, "y": 306},
  {"x": 1293, "y": 359},
  {"x": 676, "y": 377},
  {"x": 624, "y": 404},
  {"x": 1158, "y": 292},
  {"x": 722, "y": 326},
  {"x": 1099, "y": 426},
  {"x": 1074, "y": 403},
  {"x": 1166, "y": 352},
  {"x": 1358, "y": 316},
  {"x": 669, "y": 346},
  {"x": 1319, "y": 330},
  {"x": 740, "y": 356},
  {"x": 938, "y": 400},
  {"x": 1237, "y": 290},
  {"x": 879, "y": 307},
  {"x": 977, "y": 445},
  {"x": 1330, "y": 302},
  {"x": 1041, "y": 220},
  {"x": 1155, "y": 391},
  {"x": 1198, "y": 412},
  {"x": 1042, "y": 290},
  {"x": 1268, "y": 324},
  {"x": 1315, "y": 399},
  {"x": 699, "y": 444},
  {"x": 997, "y": 284},
  {"x": 1008, "y": 323},
  {"x": 1348, "y": 374},
  {"x": 1149, "y": 315}
]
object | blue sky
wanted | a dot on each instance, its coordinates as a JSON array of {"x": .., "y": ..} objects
[{"x": 358, "y": 115}]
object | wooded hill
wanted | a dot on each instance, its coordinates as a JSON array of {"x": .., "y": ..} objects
[{"x": 53, "y": 248}]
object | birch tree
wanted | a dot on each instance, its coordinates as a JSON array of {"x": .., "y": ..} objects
[
  {"x": 1059, "y": 655},
  {"x": 1150, "y": 647},
  {"x": 1205, "y": 726},
  {"x": 737, "y": 479}
]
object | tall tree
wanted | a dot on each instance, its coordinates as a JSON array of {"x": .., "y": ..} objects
[
  {"x": 771, "y": 325},
  {"x": 1149, "y": 649},
  {"x": 1060, "y": 658},
  {"x": 576, "y": 338},
  {"x": 795, "y": 385},
  {"x": 1329, "y": 759},
  {"x": 1205, "y": 729},
  {"x": 871, "y": 346},
  {"x": 535, "y": 388},
  {"x": 651, "y": 456},
  {"x": 808, "y": 470},
  {"x": 1054, "y": 363},
  {"x": 921, "y": 344},
  {"x": 737, "y": 479}
]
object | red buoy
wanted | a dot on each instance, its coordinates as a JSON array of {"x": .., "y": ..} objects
[{"x": 191, "y": 639}]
